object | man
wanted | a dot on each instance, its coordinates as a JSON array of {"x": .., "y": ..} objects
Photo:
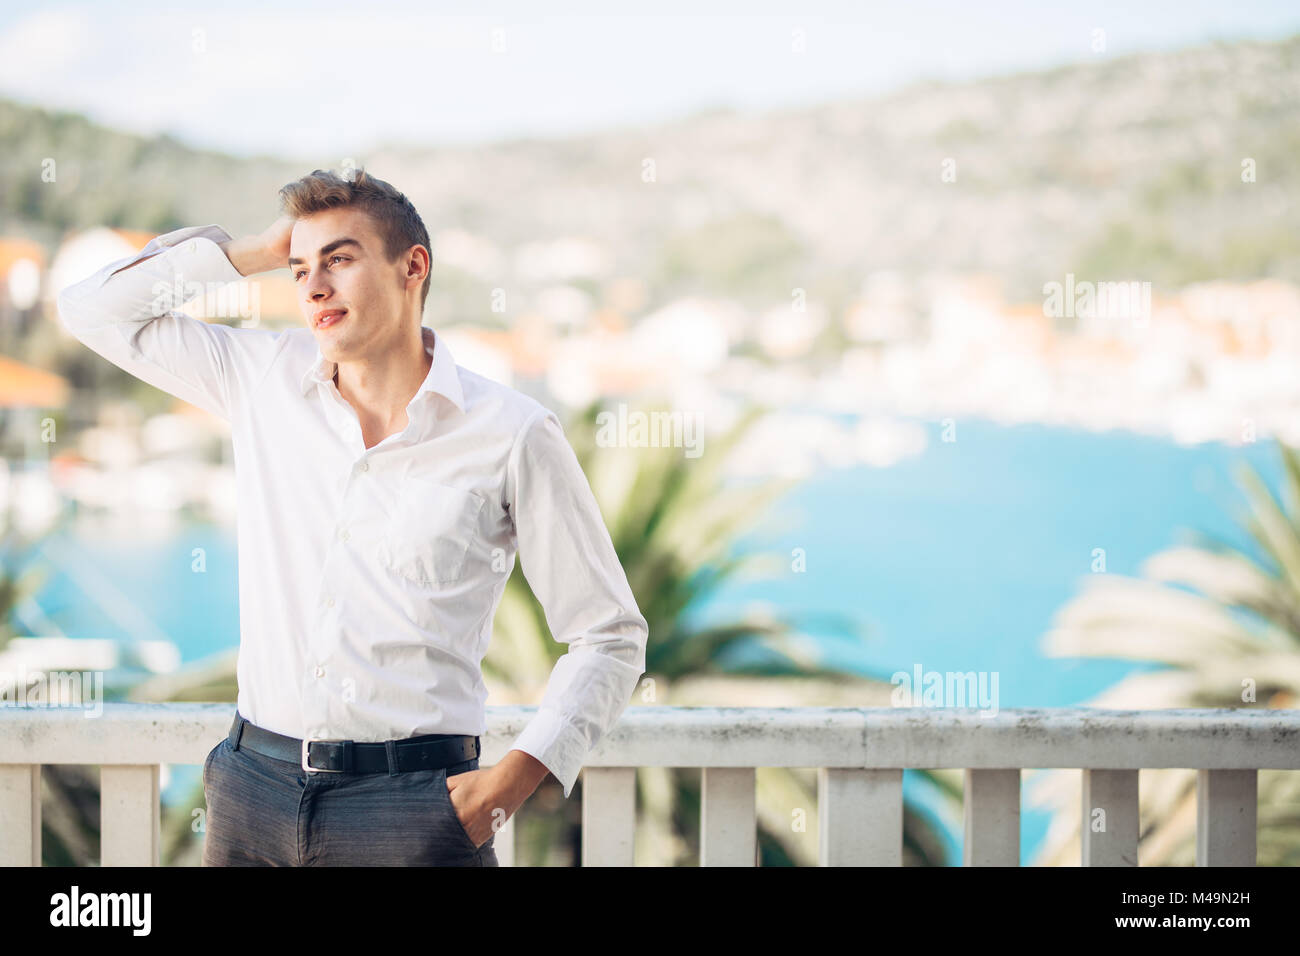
[{"x": 383, "y": 493}]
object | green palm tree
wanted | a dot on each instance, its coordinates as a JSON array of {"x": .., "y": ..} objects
[{"x": 1226, "y": 626}]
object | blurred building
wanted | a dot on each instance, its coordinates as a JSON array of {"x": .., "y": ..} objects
[{"x": 22, "y": 263}]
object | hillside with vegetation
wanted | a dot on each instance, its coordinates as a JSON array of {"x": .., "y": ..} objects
[{"x": 1127, "y": 167}]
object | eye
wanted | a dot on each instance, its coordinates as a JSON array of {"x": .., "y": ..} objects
[{"x": 297, "y": 275}]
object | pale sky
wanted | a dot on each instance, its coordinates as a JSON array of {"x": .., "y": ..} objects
[{"x": 327, "y": 80}]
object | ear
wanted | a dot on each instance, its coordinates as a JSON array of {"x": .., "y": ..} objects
[{"x": 418, "y": 263}]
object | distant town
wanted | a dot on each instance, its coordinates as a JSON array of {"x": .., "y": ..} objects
[{"x": 1213, "y": 361}]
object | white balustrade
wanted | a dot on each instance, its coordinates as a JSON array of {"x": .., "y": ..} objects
[{"x": 859, "y": 754}]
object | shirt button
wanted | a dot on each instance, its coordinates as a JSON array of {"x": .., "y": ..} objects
[
  {"x": 329, "y": 602},
  {"x": 320, "y": 672},
  {"x": 345, "y": 534},
  {"x": 365, "y": 466}
]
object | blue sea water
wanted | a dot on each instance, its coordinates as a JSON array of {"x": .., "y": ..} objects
[{"x": 955, "y": 560}]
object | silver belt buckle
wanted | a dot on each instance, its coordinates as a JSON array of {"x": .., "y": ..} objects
[{"x": 307, "y": 742}]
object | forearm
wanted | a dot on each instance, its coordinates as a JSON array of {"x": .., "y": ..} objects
[
  {"x": 249, "y": 255},
  {"x": 523, "y": 774}
]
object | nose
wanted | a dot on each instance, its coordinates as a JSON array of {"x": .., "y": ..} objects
[{"x": 316, "y": 287}]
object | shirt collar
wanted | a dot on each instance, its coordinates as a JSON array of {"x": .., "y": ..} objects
[{"x": 443, "y": 376}]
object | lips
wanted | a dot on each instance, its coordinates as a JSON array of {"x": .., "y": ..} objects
[{"x": 329, "y": 317}]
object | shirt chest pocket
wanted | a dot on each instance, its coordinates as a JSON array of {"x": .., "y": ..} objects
[{"x": 430, "y": 532}]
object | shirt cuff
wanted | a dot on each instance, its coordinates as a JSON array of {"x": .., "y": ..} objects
[
  {"x": 177, "y": 236},
  {"x": 219, "y": 264},
  {"x": 557, "y": 744}
]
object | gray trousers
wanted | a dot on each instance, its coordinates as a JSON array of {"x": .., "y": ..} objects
[{"x": 268, "y": 812}]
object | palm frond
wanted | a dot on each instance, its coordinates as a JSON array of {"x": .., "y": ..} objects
[{"x": 1226, "y": 624}]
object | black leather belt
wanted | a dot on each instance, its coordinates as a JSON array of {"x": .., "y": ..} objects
[{"x": 427, "y": 752}]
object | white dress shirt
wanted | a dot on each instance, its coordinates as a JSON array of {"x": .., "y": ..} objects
[{"x": 369, "y": 577}]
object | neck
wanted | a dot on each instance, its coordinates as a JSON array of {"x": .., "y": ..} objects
[{"x": 381, "y": 387}]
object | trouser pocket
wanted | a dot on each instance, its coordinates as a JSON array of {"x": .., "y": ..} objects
[
  {"x": 441, "y": 784},
  {"x": 207, "y": 763}
]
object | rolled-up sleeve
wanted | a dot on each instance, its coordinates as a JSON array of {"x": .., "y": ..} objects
[
  {"x": 569, "y": 561},
  {"x": 126, "y": 315}
]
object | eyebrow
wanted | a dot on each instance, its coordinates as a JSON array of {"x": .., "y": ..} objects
[{"x": 327, "y": 249}]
